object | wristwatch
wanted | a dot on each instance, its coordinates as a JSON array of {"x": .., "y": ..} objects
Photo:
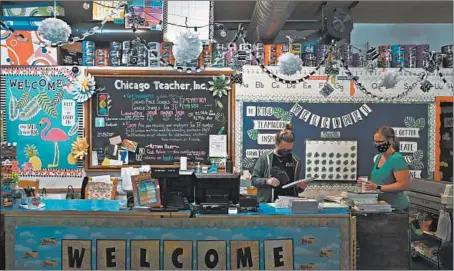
[{"x": 379, "y": 188}]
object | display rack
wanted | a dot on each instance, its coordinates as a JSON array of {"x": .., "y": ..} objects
[{"x": 8, "y": 167}]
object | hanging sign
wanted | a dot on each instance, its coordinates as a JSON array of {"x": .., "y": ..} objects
[
  {"x": 255, "y": 153},
  {"x": 269, "y": 124},
  {"x": 406, "y": 132},
  {"x": 266, "y": 139},
  {"x": 328, "y": 122},
  {"x": 408, "y": 147},
  {"x": 415, "y": 174}
]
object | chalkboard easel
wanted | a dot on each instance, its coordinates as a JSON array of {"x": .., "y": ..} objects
[{"x": 169, "y": 114}]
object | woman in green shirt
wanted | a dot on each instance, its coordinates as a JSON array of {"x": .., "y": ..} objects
[{"x": 390, "y": 175}]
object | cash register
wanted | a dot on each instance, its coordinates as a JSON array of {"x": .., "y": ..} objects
[
  {"x": 177, "y": 190},
  {"x": 215, "y": 192}
]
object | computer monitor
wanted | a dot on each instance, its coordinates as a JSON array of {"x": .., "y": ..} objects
[
  {"x": 177, "y": 190},
  {"x": 217, "y": 188}
]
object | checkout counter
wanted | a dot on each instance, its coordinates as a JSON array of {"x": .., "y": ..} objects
[
  {"x": 96, "y": 234},
  {"x": 103, "y": 234}
]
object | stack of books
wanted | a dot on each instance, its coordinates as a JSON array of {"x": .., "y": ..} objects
[
  {"x": 297, "y": 205},
  {"x": 362, "y": 197},
  {"x": 304, "y": 206},
  {"x": 378, "y": 207}
]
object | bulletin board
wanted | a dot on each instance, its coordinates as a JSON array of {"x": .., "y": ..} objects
[
  {"x": 41, "y": 116},
  {"x": 342, "y": 120}
]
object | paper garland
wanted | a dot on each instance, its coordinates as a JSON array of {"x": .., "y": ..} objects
[
  {"x": 51, "y": 173},
  {"x": 331, "y": 122}
]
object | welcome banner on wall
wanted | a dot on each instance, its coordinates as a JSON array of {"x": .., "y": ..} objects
[{"x": 41, "y": 117}]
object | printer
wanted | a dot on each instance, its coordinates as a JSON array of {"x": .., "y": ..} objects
[{"x": 430, "y": 195}]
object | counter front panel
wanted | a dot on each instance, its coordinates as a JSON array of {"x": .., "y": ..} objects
[{"x": 44, "y": 241}]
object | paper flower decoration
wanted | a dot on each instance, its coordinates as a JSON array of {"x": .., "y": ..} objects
[
  {"x": 388, "y": 80},
  {"x": 79, "y": 148},
  {"x": 84, "y": 87},
  {"x": 219, "y": 86},
  {"x": 54, "y": 30},
  {"x": 187, "y": 47},
  {"x": 289, "y": 64}
]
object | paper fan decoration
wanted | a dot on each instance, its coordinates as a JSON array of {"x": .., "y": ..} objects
[
  {"x": 219, "y": 86},
  {"x": 79, "y": 148},
  {"x": 388, "y": 80},
  {"x": 289, "y": 64},
  {"x": 187, "y": 47},
  {"x": 54, "y": 30},
  {"x": 84, "y": 87}
]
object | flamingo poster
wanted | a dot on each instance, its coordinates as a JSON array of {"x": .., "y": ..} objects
[{"x": 41, "y": 117}]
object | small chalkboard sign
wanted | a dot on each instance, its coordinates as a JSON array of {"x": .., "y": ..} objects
[{"x": 158, "y": 116}]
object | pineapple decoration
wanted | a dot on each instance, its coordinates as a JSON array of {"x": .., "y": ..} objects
[{"x": 32, "y": 154}]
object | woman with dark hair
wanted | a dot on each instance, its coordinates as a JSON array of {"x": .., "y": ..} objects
[
  {"x": 390, "y": 175},
  {"x": 278, "y": 167}
]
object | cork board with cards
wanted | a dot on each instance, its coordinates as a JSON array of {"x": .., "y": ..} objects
[{"x": 331, "y": 160}]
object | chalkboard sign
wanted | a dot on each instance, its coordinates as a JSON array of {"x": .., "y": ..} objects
[
  {"x": 157, "y": 117},
  {"x": 335, "y": 124}
]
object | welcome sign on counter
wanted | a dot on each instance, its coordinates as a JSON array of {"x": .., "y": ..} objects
[
  {"x": 198, "y": 248},
  {"x": 157, "y": 119}
]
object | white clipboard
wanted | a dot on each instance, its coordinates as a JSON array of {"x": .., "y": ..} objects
[{"x": 299, "y": 181}]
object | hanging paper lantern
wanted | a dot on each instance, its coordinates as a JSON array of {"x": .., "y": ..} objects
[
  {"x": 388, "y": 80},
  {"x": 187, "y": 47},
  {"x": 289, "y": 64},
  {"x": 54, "y": 30},
  {"x": 84, "y": 87}
]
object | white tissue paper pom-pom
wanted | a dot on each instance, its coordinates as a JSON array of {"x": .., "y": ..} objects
[
  {"x": 388, "y": 80},
  {"x": 54, "y": 30},
  {"x": 187, "y": 47},
  {"x": 289, "y": 64}
]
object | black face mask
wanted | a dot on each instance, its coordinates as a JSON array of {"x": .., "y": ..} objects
[
  {"x": 383, "y": 147},
  {"x": 284, "y": 153}
]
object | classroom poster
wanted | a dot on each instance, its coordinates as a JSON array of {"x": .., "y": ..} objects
[{"x": 41, "y": 116}]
